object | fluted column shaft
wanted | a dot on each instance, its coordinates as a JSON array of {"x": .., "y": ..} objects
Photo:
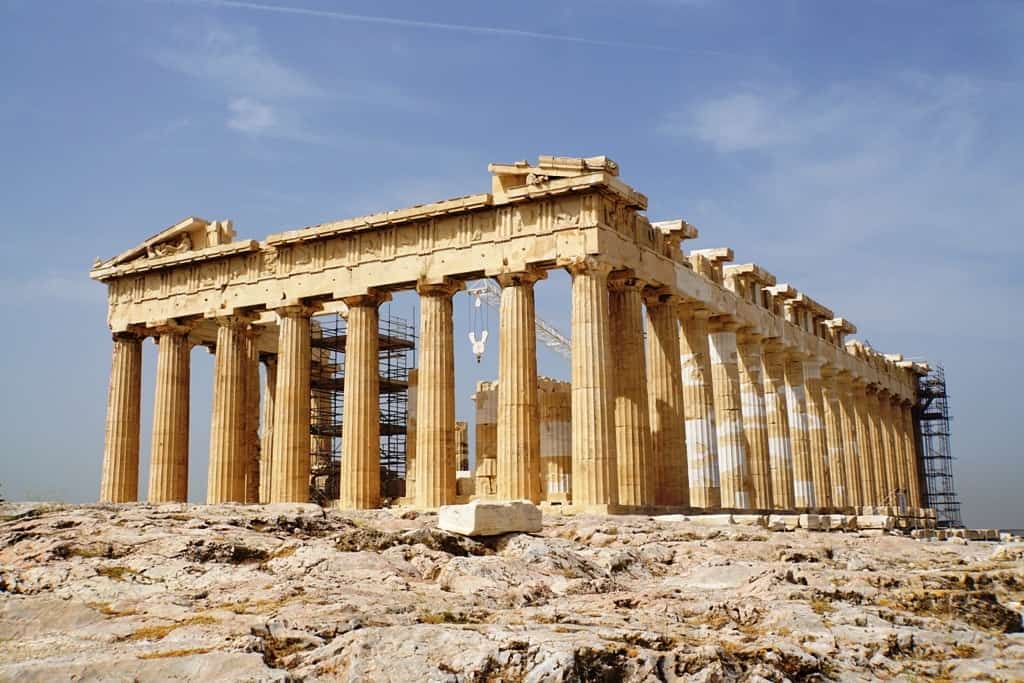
[
  {"x": 865, "y": 444},
  {"x": 835, "y": 445},
  {"x": 699, "y": 408},
  {"x": 228, "y": 452},
  {"x": 780, "y": 453},
  {"x": 120, "y": 479},
  {"x": 733, "y": 466},
  {"x": 755, "y": 420},
  {"x": 518, "y": 435},
  {"x": 888, "y": 448},
  {"x": 665, "y": 400},
  {"x": 852, "y": 452},
  {"x": 267, "y": 426},
  {"x": 882, "y": 490},
  {"x": 359, "y": 486},
  {"x": 290, "y": 456},
  {"x": 800, "y": 440},
  {"x": 816, "y": 434},
  {"x": 252, "y": 420},
  {"x": 435, "y": 398},
  {"x": 900, "y": 456},
  {"x": 632, "y": 419},
  {"x": 168, "y": 457},
  {"x": 914, "y": 475},
  {"x": 594, "y": 468}
]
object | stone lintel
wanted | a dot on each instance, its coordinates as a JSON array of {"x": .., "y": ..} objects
[
  {"x": 841, "y": 325},
  {"x": 677, "y": 229},
  {"x": 782, "y": 291},
  {"x": 717, "y": 254},
  {"x": 749, "y": 272}
]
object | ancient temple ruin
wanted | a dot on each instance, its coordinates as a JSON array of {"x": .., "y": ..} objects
[{"x": 696, "y": 383}]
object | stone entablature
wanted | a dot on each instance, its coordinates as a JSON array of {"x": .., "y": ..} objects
[{"x": 552, "y": 220}]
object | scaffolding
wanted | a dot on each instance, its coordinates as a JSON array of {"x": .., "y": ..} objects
[
  {"x": 329, "y": 337},
  {"x": 935, "y": 466}
]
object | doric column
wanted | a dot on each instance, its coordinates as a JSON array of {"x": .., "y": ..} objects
[
  {"x": 252, "y": 419},
  {"x": 120, "y": 479},
  {"x": 435, "y": 397},
  {"x": 851, "y": 443},
  {"x": 632, "y": 419},
  {"x": 226, "y": 478},
  {"x": 267, "y": 425},
  {"x": 290, "y": 457},
  {"x": 518, "y": 436},
  {"x": 881, "y": 487},
  {"x": 780, "y": 453},
  {"x": 594, "y": 469},
  {"x": 359, "y": 480},
  {"x": 168, "y": 455},
  {"x": 888, "y": 448},
  {"x": 800, "y": 440},
  {"x": 555, "y": 400},
  {"x": 835, "y": 446},
  {"x": 665, "y": 401},
  {"x": 410, "y": 437},
  {"x": 865, "y": 442},
  {"x": 900, "y": 459},
  {"x": 733, "y": 467},
  {"x": 907, "y": 433},
  {"x": 699, "y": 407},
  {"x": 816, "y": 434},
  {"x": 755, "y": 421}
]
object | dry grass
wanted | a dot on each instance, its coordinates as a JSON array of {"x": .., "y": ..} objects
[
  {"x": 115, "y": 573},
  {"x": 822, "y": 606},
  {"x": 159, "y": 632},
  {"x": 176, "y": 653}
]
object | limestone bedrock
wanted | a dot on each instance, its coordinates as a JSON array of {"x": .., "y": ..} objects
[{"x": 490, "y": 519}]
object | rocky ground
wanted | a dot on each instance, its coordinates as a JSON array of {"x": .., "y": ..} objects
[{"x": 232, "y": 593}]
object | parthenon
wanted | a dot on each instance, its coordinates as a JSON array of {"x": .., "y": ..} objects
[{"x": 696, "y": 383}]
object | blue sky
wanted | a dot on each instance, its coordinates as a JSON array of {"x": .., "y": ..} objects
[{"x": 869, "y": 153}]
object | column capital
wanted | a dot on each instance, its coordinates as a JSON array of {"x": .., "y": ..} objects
[
  {"x": 621, "y": 280},
  {"x": 692, "y": 310},
  {"x": 723, "y": 323},
  {"x": 171, "y": 326},
  {"x": 659, "y": 296},
  {"x": 774, "y": 345},
  {"x": 521, "y": 278},
  {"x": 130, "y": 335},
  {"x": 443, "y": 287},
  {"x": 748, "y": 337},
  {"x": 293, "y": 309},
  {"x": 588, "y": 264},
  {"x": 372, "y": 298},
  {"x": 268, "y": 359},
  {"x": 238, "y": 319}
]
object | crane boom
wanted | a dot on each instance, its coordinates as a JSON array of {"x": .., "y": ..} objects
[{"x": 547, "y": 334}]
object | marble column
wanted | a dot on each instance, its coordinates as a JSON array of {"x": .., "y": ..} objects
[
  {"x": 228, "y": 461},
  {"x": 816, "y": 433},
  {"x": 665, "y": 401},
  {"x": 435, "y": 397},
  {"x": 168, "y": 456},
  {"x": 910, "y": 446},
  {"x": 252, "y": 420},
  {"x": 878, "y": 474},
  {"x": 900, "y": 456},
  {"x": 889, "y": 474},
  {"x": 733, "y": 466},
  {"x": 780, "y": 453},
  {"x": 755, "y": 420},
  {"x": 267, "y": 425},
  {"x": 835, "y": 445},
  {"x": 594, "y": 468},
  {"x": 865, "y": 443},
  {"x": 632, "y": 419},
  {"x": 800, "y": 440},
  {"x": 518, "y": 434},
  {"x": 359, "y": 485},
  {"x": 699, "y": 407},
  {"x": 120, "y": 479},
  {"x": 289, "y": 481},
  {"x": 852, "y": 452}
]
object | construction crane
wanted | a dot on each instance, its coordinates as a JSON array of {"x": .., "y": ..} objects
[{"x": 487, "y": 292}]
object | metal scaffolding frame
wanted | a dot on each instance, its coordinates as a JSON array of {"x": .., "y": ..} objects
[
  {"x": 935, "y": 464},
  {"x": 397, "y": 340}
]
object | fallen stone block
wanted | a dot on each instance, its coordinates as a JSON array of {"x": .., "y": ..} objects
[
  {"x": 751, "y": 520},
  {"x": 883, "y": 522},
  {"x": 812, "y": 522},
  {"x": 724, "y": 519},
  {"x": 783, "y": 522},
  {"x": 922, "y": 533},
  {"x": 481, "y": 518},
  {"x": 833, "y": 522}
]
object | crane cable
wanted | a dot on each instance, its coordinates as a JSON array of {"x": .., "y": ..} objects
[{"x": 478, "y": 322}]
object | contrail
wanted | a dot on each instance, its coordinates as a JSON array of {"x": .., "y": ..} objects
[{"x": 417, "y": 24}]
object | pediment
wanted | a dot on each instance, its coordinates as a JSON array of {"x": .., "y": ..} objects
[{"x": 190, "y": 234}]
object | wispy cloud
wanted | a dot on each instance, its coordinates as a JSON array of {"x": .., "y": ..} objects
[
  {"x": 426, "y": 25},
  {"x": 250, "y": 116}
]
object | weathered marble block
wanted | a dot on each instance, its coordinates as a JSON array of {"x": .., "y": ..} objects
[{"x": 481, "y": 518}]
